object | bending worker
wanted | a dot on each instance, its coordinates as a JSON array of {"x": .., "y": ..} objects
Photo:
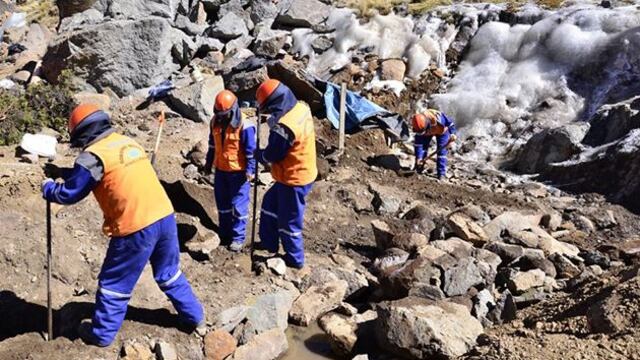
[
  {"x": 291, "y": 153},
  {"x": 138, "y": 217},
  {"x": 232, "y": 143},
  {"x": 427, "y": 125}
]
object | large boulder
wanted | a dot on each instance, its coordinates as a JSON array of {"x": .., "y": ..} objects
[
  {"x": 551, "y": 146},
  {"x": 316, "y": 301},
  {"x": 510, "y": 221},
  {"x": 137, "y": 9},
  {"x": 300, "y": 82},
  {"x": 269, "y": 42},
  {"x": 303, "y": 13},
  {"x": 195, "y": 101},
  {"x": 465, "y": 228},
  {"x": 416, "y": 328},
  {"x": 613, "y": 122},
  {"x": 123, "y": 55},
  {"x": 229, "y": 27},
  {"x": 610, "y": 170}
]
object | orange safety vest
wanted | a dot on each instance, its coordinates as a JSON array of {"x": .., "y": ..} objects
[
  {"x": 130, "y": 194},
  {"x": 229, "y": 155},
  {"x": 438, "y": 129},
  {"x": 298, "y": 168}
]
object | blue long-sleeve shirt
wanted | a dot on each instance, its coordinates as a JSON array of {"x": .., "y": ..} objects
[
  {"x": 247, "y": 143},
  {"x": 78, "y": 183},
  {"x": 421, "y": 141},
  {"x": 281, "y": 139}
]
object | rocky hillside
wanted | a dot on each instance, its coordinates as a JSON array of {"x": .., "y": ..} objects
[{"x": 488, "y": 264}]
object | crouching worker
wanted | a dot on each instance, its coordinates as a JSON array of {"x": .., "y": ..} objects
[
  {"x": 427, "y": 125},
  {"x": 291, "y": 153},
  {"x": 138, "y": 217},
  {"x": 232, "y": 143}
]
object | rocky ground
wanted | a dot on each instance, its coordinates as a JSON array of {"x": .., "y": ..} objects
[{"x": 486, "y": 264}]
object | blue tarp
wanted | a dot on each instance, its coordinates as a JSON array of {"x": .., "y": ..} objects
[{"x": 361, "y": 113}]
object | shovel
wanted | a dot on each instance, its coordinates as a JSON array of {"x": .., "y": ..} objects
[
  {"x": 49, "y": 307},
  {"x": 254, "y": 266}
]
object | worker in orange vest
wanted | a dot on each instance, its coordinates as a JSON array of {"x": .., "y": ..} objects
[
  {"x": 138, "y": 216},
  {"x": 232, "y": 143},
  {"x": 291, "y": 153},
  {"x": 426, "y": 125}
]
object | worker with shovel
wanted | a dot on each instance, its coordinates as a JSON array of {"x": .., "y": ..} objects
[
  {"x": 232, "y": 143},
  {"x": 291, "y": 153},
  {"x": 426, "y": 125},
  {"x": 138, "y": 216}
]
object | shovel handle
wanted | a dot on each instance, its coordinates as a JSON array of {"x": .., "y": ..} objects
[
  {"x": 49, "y": 263},
  {"x": 161, "y": 120}
]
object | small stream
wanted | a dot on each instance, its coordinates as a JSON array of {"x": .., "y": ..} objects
[{"x": 308, "y": 343}]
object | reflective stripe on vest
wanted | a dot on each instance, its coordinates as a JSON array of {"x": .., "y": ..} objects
[
  {"x": 229, "y": 155},
  {"x": 129, "y": 194},
  {"x": 298, "y": 168}
]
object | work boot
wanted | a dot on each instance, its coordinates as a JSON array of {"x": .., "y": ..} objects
[
  {"x": 85, "y": 332},
  {"x": 201, "y": 328},
  {"x": 236, "y": 246}
]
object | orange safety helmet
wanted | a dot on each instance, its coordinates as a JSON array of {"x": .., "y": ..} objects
[
  {"x": 265, "y": 90},
  {"x": 419, "y": 122},
  {"x": 225, "y": 100},
  {"x": 80, "y": 113}
]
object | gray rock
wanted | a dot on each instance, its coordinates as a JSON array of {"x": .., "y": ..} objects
[
  {"x": 551, "y": 221},
  {"x": 303, "y": 13},
  {"x": 430, "y": 292},
  {"x": 316, "y": 301},
  {"x": 483, "y": 304},
  {"x": 204, "y": 244},
  {"x": 195, "y": 101},
  {"x": 123, "y": 55},
  {"x": 229, "y": 27},
  {"x": 237, "y": 7},
  {"x": 70, "y": 7},
  {"x": 512, "y": 222},
  {"x": 165, "y": 351},
  {"x": 455, "y": 247},
  {"x": 535, "y": 259},
  {"x": 277, "y": 265},
  {"x": 263, "y": 10},
  {"x": 300, "y": 82},
  {"x": 508, "y": 253},
  {"x": 583, "y": 223},
  {"x": 206, "y": 44},
  {"x": 80, "y": 20},
  {"x": 417, "y": 328},
  {"x": 457, "y": 280},
  {"x": 269, "y": 42},
  {"x": 238, "y": 44},
  {"x": 191, "y": 172},
  {"x": 505, "y": 309},
  {"x": 183, "y": 48},
  {"x": 525, "y": 280},
  {"x": 612, "y": 122},
  {"x": 269, "y": 312},
  {"x": 246, "y": 81},
  {"x": 185, "y": 24},
  {"x": 230, "y": 318},
  {"x": 321, "y": 44},
  {"x": 138, "y": 9},
  {"x": 606, "y": 170},
  {"x": 413, "y": 273},
  {"x": 266, "y": 346},
  {"x": 551, "y": 146},
  {"x": 564, "y": 267},
  {"x": 382, "y": 233},
  {"x": 391, "y": 258}
]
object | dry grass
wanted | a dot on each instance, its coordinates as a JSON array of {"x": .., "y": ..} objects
[
  {"x": 44, "y": 12},
  {"x": 367, "y": 7}
]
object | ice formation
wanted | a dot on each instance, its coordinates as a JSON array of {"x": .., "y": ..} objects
[{"x": 518, "y": 78}]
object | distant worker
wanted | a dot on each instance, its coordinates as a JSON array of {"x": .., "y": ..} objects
[
  {"x": 232, "y": 143},
  {"x": 291, "y": 153},
  {"x": 426, "y": 125},
  {"x": 138, "y": 217}
]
